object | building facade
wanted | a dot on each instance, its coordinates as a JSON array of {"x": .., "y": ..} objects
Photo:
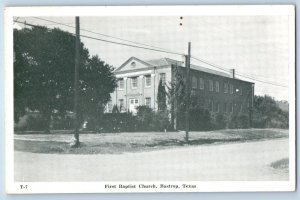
[{"x": 138, "y": 82}]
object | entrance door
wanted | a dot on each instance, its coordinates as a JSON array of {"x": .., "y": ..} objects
[{"x": 133, "y": 104}]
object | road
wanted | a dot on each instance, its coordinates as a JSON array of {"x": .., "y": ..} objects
[{"x": 224, "y": 162}]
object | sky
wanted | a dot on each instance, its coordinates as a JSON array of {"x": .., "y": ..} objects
[{"x": 255, "y": 46}]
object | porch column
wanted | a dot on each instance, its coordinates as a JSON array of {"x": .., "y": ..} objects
[
  {"x": 141, "y": 77},
  {"x": 154, "y": 88},
  {"x": 125, "y": 87}
]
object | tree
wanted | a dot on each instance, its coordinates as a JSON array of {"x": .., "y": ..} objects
[
  {"x": 44, "y": 74},
  {"x": 176, "y": 96},
  {"x": 267, "y": 113},
  {"x": 97, "y": 81},
  {"x": 161, "y": 97}
]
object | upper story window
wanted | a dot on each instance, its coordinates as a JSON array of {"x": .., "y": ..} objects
[
  {"x": 201, "y": 83},
  {"x": 134, "y": 82},
  {"x": 241, "y": 90},
  {"x": 148, "y": 81},
  {"x": 194, "y": 82},
  {"x": 211, "y": 85},
  {"x": 217, "y": 86},
  {"x": 225, "y": 87},
  {"x": 121, "y": 84},
  {"x": 162, "y": 77},
  {"x": 231, "y": 89}
]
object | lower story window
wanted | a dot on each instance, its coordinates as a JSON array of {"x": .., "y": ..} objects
[
  {"x": 109, "y": 107},
  {"x": 121, "y": 103},
  {"x": 231, "y": 107},
  {"x": 148, "y": 101},
  {"x": 211, "y": 105},
  {"x": 216, "y": 107}
]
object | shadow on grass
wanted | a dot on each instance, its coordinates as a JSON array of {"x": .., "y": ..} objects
[{"x": 175, "y": 142}]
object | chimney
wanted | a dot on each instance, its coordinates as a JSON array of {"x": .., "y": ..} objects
[{"x": 233, "y": 73}]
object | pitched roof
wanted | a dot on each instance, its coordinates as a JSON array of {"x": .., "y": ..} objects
[{"x": 167, "y": 61}]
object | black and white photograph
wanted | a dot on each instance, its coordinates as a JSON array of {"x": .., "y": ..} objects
[{"x": 150, "y": 99}]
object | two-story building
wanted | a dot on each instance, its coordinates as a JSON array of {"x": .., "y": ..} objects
[{"x": 138, "y": 82}]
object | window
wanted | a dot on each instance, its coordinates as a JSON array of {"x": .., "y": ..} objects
[
  {"x": 225, "y": 107},
  {"x": 217, "y": 86},
  {"x": 162, "y": 77},
  {"x": 109, "y": 107},
  {"x": 121, "y": 103},
  {"x": 201, "y": 83},
  {"x": 231, "y": 89},
  {"x": 211, "y": 85},
  {"x": 147, "y": 81},
  {"x": 121, "y": 84},
  {"x": 225, "y": 87},
  {"x": 241, "y": 109},
  {"x": 216, "y": 107},
  {"x": 211, "y": 105},
  {"x": 133, "y": 64},
  {"x": 231, "y": 107},
  {"x": 134, "y": 82},
  {"x": 241, "y": 90},
  {"x": 194, "y": 82},
  {"x": 148, "y": 101}
]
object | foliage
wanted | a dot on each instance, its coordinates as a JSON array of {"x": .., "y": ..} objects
[
  {"x": 62, "y": 122},
  {"x": 267, "y": 114},
  {"x": 219, "y": 121},
  {"x": 176, "y": 97},
  {"x": 44, "y": 75},
  {"x": 239, "y": 121},
  {"x": 161, "y": 97},
  {"x": 148, "y": 120},
  {"x": 114, "y": 122},
  {"x": 33, "y": 123},
  {"x": 115, "y": 109}
]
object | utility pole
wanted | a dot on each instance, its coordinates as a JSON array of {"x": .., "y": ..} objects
[
  {"x": 188, "y": 91},
  {"x": 77, "y": 63}
]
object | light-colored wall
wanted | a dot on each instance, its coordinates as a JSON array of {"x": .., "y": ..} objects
[{"x": 141, "y": 92}]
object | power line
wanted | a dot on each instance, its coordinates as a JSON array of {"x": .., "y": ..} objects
[
  {"x": 262, "y": 81},
  {"x": 211, "y": 64},
  {"x": 163, "y": 51},
  {"x": 109, "y": 41},
  {"x": 105, "y": 35},
  {"x": 242, "y": 75}
]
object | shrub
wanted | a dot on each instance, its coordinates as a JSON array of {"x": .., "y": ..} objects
[
  {"x": 148, "y": 120},
  {"x": 35, "y": 123},
  {"x": 114, "y": 122},
  {"x": 219, "y": 121},
  {"x": 200, "y": 120},
  {"x": 63, "y": 123},
  {"x": 239, "y": 121}
]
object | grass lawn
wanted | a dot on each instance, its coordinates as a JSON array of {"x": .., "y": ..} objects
[{"x": 109, "y": 143}]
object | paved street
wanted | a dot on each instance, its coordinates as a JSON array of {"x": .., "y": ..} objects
[{"x": 223, "y": 162}]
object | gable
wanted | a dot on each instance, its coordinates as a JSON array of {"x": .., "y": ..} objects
[{"x": 133, "y": 64}]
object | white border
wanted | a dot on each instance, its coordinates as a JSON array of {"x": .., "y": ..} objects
[{"x": 96, "y": 187}]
